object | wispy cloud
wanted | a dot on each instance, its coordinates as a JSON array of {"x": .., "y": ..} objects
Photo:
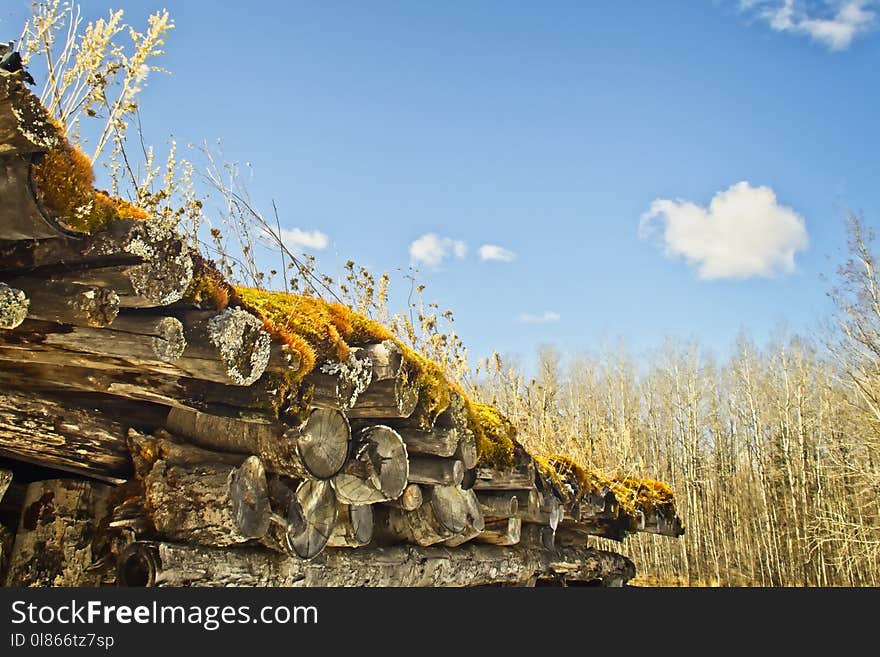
[
  {"x": 431, "y": 249},
  {"x": 544, "y": 318},
  {"x": 496, "y": 253},
  {"x": 743, "y": 232},
  {"x": 833, "y": 23},
  {"x": 297, "y": 239}
]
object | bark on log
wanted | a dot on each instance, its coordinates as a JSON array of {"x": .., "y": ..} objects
[
  {"x": 147, "y": 449},
  {"x": 435, "y": 471},
  {"x": 228, "y": 347},
  {"x": 25, "y": 125},
  {"x": 47, "y": 431},
  {"x": 14, "y": 306},
  {"x": 168, "y": 564},
  {"x": 378, "y": 469},
  {"x": 505, "y": 531},
  {"x": 208, "y": 504},
  {"x": 354, "y": 526},
  {"x": 68, "y": 303},
  {"x": 439, "y": 442},
  {"x": 53, "y": 543},
  {"x": 410, "y": 500},
  {"x": 393, "y": 391}
]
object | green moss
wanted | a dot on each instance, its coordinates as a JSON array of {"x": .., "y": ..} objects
[
  {"x": 64, "y": 180},
  {"x": 495, "y": 435}
]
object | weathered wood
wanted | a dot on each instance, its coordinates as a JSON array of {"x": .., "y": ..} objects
[
  {"x": 354, "y": 526},
  {"x": 228, "y": 347},
  {"x": 6, "y": 541},
  {"x": 46, "y": 430},
  {"x": 504, "y": 531},
  {"x": 439, "y": 442},
  {"x": 22, "y": 217},
  {"x": 276, "y": 448},
  {"x": 25, "y": 125},
  {"x": 338, "y": 385},
  {"x": 14, "y": 306},
  {"x": 146, "y": 285},
  {"x": 435, "y": 471},
  {"x": 5, "y": 480},
  {"x": 323, "y": 442},
  {"x": 53, "y": 543},
  {"x": 550, "y": 512},
  {"x": 474, "y": 523},
  {"x": 378, "y": 469},
  {"x": 442, "y": 515},
  {"x": 169, "y": 564},
  {"x": 535, "y": 535},
  {"x": 509, "y": 479},
  {"x": 393, "y": 391},
  {"x": 318, "y": 507},
  {"x": 466, "y": 452},
  {"x": 147, "y": 449},
  {"x": 208, "y": 504},
  {"x": 410, "y": 499},
  {"x": 137, "y": 340},
  {"x": 68, "y": 303},
  {"x": 498, "y": 504}
]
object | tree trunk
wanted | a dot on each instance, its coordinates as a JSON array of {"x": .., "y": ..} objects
[
  {"x": 228, "y": 347},
  {"x": 14, "y": 306},
  {"x": 169, "y": 564},
  {"x": 393, "y": 391},
  {"x": 504, "y": 531},
  {"x": 354, "y": 526},
  {"x": 68, "y": 303},
  {"x": 498, "y": 504},
  {"x": 136, "y": 340},
  {"x": 47, "y": 431},
  {"x": 439, "y": 442},
  {"x": 53, "y": 543},
  {"x": 208, "y": 504},
  {"x": 378, "y": 469},
  {"x": 435, "y": 471}
]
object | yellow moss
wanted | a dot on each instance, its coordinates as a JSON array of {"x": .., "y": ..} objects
[
  {"x": 495, "y": 435},
  {"x": 64, "y": 179}
]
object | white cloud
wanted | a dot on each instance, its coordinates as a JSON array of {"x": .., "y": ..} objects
[
  {"x": 544, "y": 318},
  {"x": 431, "y": 249},
  {"x": 296, "y": 239},
  {"x": 497, "y": 253},
  {"x": 743, "y": 233},
  {"x": 833, "y": 23}
]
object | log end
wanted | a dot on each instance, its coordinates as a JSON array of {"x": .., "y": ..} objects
[
  {"x": 242, "y": 344},
  {"x": 13, "y": 307}
]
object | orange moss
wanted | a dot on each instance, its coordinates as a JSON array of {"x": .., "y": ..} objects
[{"x": 64, "y": 180}]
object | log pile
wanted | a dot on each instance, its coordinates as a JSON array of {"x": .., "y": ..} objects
[{"x": 148, "y": 438}]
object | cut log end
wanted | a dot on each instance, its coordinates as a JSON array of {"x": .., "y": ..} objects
[
  {"x": 243, "y": 345},
  {"x": 250, "y": 498},
  {"x": 169, "y": 343},
  {"x": 323, "y": 442},
  {"x": 318, "y": 504},
  {"x": 13, "y": 307}
]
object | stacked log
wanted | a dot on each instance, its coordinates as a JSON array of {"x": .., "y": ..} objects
[{"x": 188, "y": 450}]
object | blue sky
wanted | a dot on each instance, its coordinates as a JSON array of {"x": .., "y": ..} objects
[{"x": 548, "y": 130}]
